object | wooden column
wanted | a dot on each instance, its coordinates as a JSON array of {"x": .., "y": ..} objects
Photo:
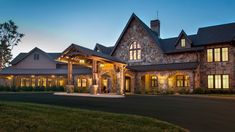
[
  {"x": 122, "y": 80},
  {"x": 70, "y": 73},
  {"x": 95, "y": 87}
]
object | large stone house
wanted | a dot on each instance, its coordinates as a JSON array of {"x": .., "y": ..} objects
[{"x": 140, "y": 61}]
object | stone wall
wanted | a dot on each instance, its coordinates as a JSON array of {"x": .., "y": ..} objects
[
  {"x": 207, "y": 68},
  {"x": 151, "y": 53}
]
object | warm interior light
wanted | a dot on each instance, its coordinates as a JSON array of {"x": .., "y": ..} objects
[
  {"x": 53, "y": 76},
  {"x": 32, "y": 76},
  {"x": 81, "y": 61},
  {"x": 101, "y": 65}
]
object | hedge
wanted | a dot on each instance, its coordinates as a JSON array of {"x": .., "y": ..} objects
[{"x": 19, "y": 89}]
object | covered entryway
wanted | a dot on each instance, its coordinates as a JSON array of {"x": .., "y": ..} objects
[{"x": 107, "y": 71}]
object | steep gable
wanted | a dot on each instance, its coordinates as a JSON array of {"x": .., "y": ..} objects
[
  {"x": 27, "y": 60},
  {"x": 138, "y": 33},
  {"x": 183, "y": 41},
  {"x": 133, "y": 17}
]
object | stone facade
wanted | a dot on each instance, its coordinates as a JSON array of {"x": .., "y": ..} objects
[
  {"x": 151, "y": 53},
  {"x": 207, "y": 68}
]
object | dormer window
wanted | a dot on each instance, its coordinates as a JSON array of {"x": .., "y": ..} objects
[
  {"x": 183, "y": 42},
  {"x": 36, "y": 57},
  {"x": 135, "y": 51}
]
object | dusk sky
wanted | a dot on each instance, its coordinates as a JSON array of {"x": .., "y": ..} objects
[{"x": 53, "y": 25}]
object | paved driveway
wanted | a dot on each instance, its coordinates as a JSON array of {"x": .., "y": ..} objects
[{"x": 193, "y": 113}]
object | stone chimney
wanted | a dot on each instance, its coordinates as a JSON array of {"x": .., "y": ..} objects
[{"x": 155, "y": 26}]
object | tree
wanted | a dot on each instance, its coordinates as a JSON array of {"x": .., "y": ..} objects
[{"x": 9, "y": 37}]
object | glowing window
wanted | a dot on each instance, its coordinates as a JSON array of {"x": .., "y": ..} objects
[
  {"x": 225, "y": 81},
  {"x": 180, "y": 81},
  {"x": 33, "y": 82},
  {"x": 209, "y": 55},
  {"x": 82, "y": 82},
  {"x": 217, "y": 54},
  {"x": 210, "y": 81},
  {"x": 135, "y": 51},
  {"x": 183, "y": 42},
  {"x": 154, "y": 81},
  {"x": 217, "y": 81},
  {"x": 224, "y": 54}
]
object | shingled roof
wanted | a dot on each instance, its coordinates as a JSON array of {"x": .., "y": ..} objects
[
  {"x": 90, "y": 52},
  {"x": 103, "y": 49},
  {"x": 21, "y": 56},
  {"x": 205, "y": 36}
]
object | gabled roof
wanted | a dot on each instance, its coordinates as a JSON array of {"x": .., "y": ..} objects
[
  {"x": 153, "y": 34},
  {"x": 21, "y": 56},
  {"x": 182, "y": 33},
  {"x": 103, "y": 49},
  {"x": 215, "y": 34},
  {"x": 88, "y": 52}
]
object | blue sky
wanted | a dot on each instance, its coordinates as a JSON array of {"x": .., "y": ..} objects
[{"x": 53, "y": 25}]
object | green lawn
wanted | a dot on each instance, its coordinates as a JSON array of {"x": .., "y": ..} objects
[{"x": 16, "y": 116}]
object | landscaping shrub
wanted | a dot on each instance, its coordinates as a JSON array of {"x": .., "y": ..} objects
[
  {"x": 213, "y": 91},
  {"x": 82, "y": 90},
  {"x": 4, "y": 88},
  {"x": 26, "y": 88},
  {"x": 56, "y": 89},
  {"x": 183, "y": 90}
]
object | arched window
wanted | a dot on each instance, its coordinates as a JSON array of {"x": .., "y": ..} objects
[{"x": 135, "y": 51}]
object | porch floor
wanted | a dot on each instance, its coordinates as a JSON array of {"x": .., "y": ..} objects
[{"x": 111, "y": 95}]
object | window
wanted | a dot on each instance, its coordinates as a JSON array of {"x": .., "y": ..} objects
[
  {"x": 36, "y": 57},
  {"x": 224, "y": 54},
  {"x": 135, "y": 51},
  {"x": 154, "y": 81},
  {"x": 217, "y": 54},
  {"x": 225, "y": 81},
  {"x": 218, "y": 81},
  {"x": 33, "y": 82},
  {"x": 183, "y": 42},
  {"x": 210, "y": 81},
  {"x": 209, "y": 55},
  {"x": 82, "y": 83},
  {"x": 180, "y": 81}
]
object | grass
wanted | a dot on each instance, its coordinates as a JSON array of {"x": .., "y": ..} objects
[{"x": 16, "y": 116}]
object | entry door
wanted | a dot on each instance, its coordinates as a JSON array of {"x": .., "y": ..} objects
[
  {"x": 104, "y": 85},
  {"x": 127, "y": 84}
]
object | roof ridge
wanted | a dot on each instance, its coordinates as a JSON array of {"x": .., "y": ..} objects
[{"x": 217, "y": 25}]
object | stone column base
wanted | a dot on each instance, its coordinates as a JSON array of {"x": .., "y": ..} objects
[
  {"x": 94, "y": 89},
  {"x": 69, "y": 88}
]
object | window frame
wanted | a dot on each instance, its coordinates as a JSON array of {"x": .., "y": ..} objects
[
  {"x": 36, "y": 57},
  {"x": 221, "y": 81},
  {"x": 135, "y": 51},
  {"x": 181, "y": 44},
  {"x": 80, "y": 81},
  {"x": 184, "y": 80},
  {"x": 221, "y": 54},
  {"x": 154, "y": 81},
  {"x": 227, "y": 54}
]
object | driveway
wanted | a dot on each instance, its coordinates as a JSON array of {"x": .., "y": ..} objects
[{"x": 194, "y": 113}]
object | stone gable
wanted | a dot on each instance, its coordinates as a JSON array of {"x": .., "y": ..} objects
[{"x": 151, "y": 53}]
